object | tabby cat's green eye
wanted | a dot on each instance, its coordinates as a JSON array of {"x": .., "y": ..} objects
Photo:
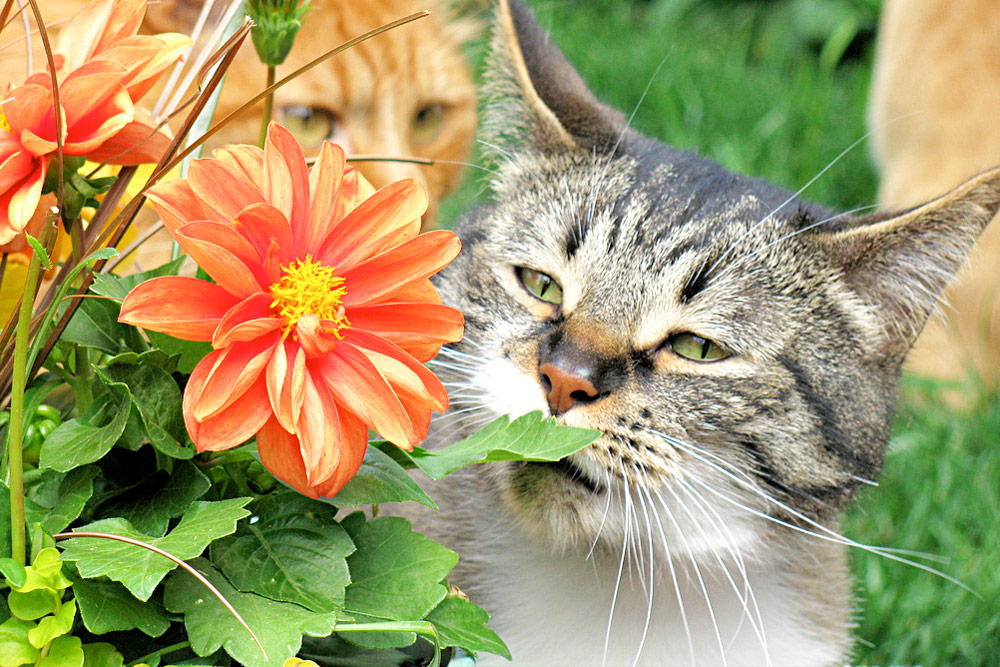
[
  {"x": 311, "y": 126},
  {"x": 427, "y": 123},
  {"x": 540, "y": 285},
  {"x": 696, "y": 348}
]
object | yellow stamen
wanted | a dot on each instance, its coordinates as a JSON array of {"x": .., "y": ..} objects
[
  {"x": 309, "y": 288},
  {"x": 4, "y": 123}
]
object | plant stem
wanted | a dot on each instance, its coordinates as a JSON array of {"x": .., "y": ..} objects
[
  {"x": 161, "y": 652},
  {"x": 76, "y": 236},
  {"x": 82, "y": 387},
  {"x": 15, "y": 446},
  {"x": 268, "y": 106}
]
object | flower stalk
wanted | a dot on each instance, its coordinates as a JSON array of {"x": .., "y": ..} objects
[{"x": 15, "y": 444}]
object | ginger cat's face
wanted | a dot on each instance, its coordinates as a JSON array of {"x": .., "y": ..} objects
[{"x": 404, "y": 93}]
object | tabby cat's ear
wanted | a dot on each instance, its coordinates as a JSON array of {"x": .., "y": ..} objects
[
  {"x": 534, "y": 97},
  {"x": 901, "y": 263}
]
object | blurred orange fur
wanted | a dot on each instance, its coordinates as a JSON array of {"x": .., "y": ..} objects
[{"x": 935, "y": 117}]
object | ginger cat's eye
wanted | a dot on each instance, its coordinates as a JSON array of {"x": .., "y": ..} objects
[
  {"x": 427, "y": 123},
  {"x": 540, "y": 285},
  {"x": 311, "y": 126},
  {"x": 696, "y": 348}
]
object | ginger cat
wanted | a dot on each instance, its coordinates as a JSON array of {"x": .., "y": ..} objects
[
  {"x": 935, "y": 119},
  {"x": 406, "y": 93}
]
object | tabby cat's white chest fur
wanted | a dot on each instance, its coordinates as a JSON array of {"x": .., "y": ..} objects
[{"x": 576, "y": 595}]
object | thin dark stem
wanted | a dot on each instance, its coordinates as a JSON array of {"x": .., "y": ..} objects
[{"x": 268, "y": 107}]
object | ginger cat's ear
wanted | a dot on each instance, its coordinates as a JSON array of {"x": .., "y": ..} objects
[
  {"x": 535, "y": 97},
  {"x": 900, "y": 264}
]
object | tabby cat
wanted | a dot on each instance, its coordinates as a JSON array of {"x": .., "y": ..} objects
[{"x": 739, "y": 348}]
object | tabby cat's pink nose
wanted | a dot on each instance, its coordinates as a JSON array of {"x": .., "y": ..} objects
[{"x": 565, "y": 388}]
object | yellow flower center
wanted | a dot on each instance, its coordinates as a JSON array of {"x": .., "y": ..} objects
[
  {"x": 309, "y": 288},
  {"x": 4, "y": 123}
]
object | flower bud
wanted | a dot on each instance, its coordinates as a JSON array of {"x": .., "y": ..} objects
[{"x": 277, "y": 24}]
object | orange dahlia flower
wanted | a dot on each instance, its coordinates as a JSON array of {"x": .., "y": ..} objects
[
  {"x": 320, "y": 314},
  {"x": 103, "y": 68}
]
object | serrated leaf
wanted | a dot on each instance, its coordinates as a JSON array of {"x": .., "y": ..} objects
[
  {"x": 107, "y": 606},
  {"x": 157, "y": 398},
  {"x": 151, "y": 513},
  {"x": 279, "y": 625},
  {"x": 140, "y": 569},
  {"x": 380, "y": 480},
  {"x": 80, "y": 441},
  {"x": 462, "y": 623},
  {"x": 528, "y": 438},
  {"x": 95, "y": 324},
  {"x": 294, "y": 552},
  {"x": 396, "y": 573},
  {"x": 39, "y": 249},
  {"x": 58, "y": 499}
]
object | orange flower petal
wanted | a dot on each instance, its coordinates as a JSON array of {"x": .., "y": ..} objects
[
  {"x": 91, "y": 87},
  {"x": 357, "y": 385},
  {"x": 409, "y": 323},
  {"x": 224, "y": 267},
  {"x": 388, "y": 217},
  {"x": 146, "y": 58},
  {"x": 247, "y": 159},
  {"x": 234, "y": 425},
  {"x": 417, "y": 259},
  {"x": 286, "y": 181},
  {"x": 352, "y": 447},
  {"x": 280, "y": 453},
  {"x": 182, "y": 307},
  {"x": 227, "y": 238},
  {"x": 21, "y": 202},
  {"x": 325, "y": 180},
  {"x": 286, "y": 383},
  {"x": 249, "y": 319},
  {"x": 222, "y": 189},
  {"x": 370, "y": 342},
  {"x": 235, "y": 369},
  {"x": 139, "y": 142},
  {"x": 318, "y": 429},
  {"x": 260, "y": 224},
  {"x": 176, "y": 203}
]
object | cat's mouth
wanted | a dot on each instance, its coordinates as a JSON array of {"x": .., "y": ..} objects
[{"x": 570, "y": 471}]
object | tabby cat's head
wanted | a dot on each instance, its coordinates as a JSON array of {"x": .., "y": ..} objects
[{"x": 738, "y": 347}]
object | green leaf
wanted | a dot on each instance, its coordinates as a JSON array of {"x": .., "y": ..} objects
[
  {"x": 140, "y": 569},
  {"x": 528, "y": 438},
  {"x": 380, "y": 480},
  {"x": 294, "y": 552},
  {"x": 107, "y": 606},
  {"x": 118, "y": 287},
  {"x": 152, "y": 512},
  {"x": 58, "y": 499},
  {"x": 95, "y": 324},
  {"x": 64, "y": 652},
  {"x": 54, "y": 626},
  {"x": 13, "y": 572},
  {"x": 15, "y": 649},
  {"x": 102, "y": 655},
  {"x": 396, "y": 573},
  {"x": 39, "y": 249},
  {"x": 190, "y": 351},
  {"x": 462, "y": 623},
  {"x": 33, "y": 604},
  {"x": 158, "y": 400},
  {"x": 279, "y": 625},
  {"x": 80, "y": 441}
]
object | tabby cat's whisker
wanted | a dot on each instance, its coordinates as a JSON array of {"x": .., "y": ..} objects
[
  {"x": 644, "y": 488},
  {"x": 604, "y": 516},
  {"x": 618, "y": 581},
  {"x": 791, "y": 198},
  {"x": 702, "y": 504}
]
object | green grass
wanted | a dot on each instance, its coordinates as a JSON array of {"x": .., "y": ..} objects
[{"x": 769, "y": 89}]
